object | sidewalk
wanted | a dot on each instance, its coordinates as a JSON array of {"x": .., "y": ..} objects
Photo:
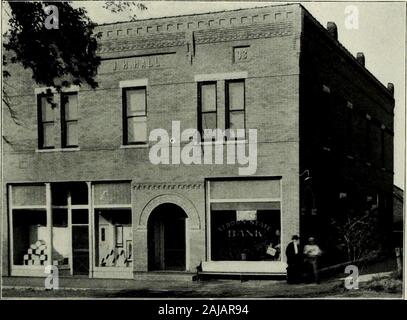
[{"x": 204, "y": 289}]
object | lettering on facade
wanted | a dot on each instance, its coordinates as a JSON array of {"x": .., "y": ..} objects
[
  {"x": 138, "y": 63},
  {"x": 241, "y": 54}
]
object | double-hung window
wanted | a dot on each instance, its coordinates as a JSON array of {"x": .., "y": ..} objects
[
  {"x": 207, "y": 106},
  {"x": 46, "y": 121},
  {"x": 134, "y": 115},
  {"x": 54, "y": 108},
  {"x": 235, "y": 104},
  {"x": 69, "y": 119}
]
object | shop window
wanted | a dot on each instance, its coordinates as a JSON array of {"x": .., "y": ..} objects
[
  {"x": 59, "y": 194},
  {"x": 79, "y": 193},
  {"x": 46, "y": 121},
  {"x": 69, "y": 119},
  {"x": 77, "y": 190},
  {"x": 246, "y": 231},
  {"x": 113, "y": 229},
  {"x": 207, "y": 107},
  {"x": 134, "y": 115},
  {"x": 235, "y": 104},
  {"x": 80, "y": 216},
  {"x": 30, "y": 237}
]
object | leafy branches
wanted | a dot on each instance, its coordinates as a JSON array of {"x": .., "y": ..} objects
[
  {"x": 57, "y": 57},
  {"x": 125, "y": 7}
]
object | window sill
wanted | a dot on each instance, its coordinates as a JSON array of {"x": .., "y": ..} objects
[
  {"x": 57, "y": 150},
  {"x": 135, "y": 146}
]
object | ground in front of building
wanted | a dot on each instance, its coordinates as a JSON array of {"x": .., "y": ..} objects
[{"x": 379, "y": 285}]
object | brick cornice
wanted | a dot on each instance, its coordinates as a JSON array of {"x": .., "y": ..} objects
[
  {"x": 168, "y": 186},
  {"x": 161, "y": 41},
  {"x": 204, "y": 36}
]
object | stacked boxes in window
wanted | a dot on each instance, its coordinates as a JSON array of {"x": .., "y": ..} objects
[{"x": 36, "y": 254}]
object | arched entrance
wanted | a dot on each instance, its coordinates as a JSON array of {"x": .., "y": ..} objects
[{"x": 167, "y": 238}]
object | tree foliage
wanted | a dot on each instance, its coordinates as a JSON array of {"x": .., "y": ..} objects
[
  {"x": 57, "y": 57},
  {"x": 128, "y": 7}
]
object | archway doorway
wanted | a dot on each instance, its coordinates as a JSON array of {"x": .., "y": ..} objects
[{"x": 166, "y": 238}]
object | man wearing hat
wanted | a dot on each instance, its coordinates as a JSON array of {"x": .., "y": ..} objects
[{"x": 294, "y": 260}]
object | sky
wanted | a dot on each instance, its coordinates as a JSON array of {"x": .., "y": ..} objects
[{"x": 381, "y": 36}]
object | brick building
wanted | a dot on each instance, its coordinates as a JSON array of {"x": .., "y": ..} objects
[{"x": 80, "y": 191}]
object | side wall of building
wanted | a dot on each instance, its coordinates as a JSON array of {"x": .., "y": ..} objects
[{"x": 346, "y": 129}]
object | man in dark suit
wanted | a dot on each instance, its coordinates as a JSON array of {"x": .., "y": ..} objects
[{"x": 294, "y": 260}]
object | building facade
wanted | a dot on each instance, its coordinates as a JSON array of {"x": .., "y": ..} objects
[{"x": 82, "y": 193}]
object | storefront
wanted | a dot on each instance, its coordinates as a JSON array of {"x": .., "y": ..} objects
[
  {"x": 83, "y": 228},
  {"x": 245, "y": 226},
  {"x": 89, "y": 228}
]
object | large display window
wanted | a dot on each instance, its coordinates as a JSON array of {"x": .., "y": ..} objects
[
  {"x": 29, "y": 232},
  {"x": 114, "y": 238},
  {"x": 30, "y": 237},
  {"x": 54, "y": 224},
  {"x": 242, "y": 231},
  {"x": 113, "y": 230},
  {"x": 244, "y": 221}
]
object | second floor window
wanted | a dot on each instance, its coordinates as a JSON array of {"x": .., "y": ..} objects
[
  {"x": 69, "y": 119},
  {"x": 235, "y": 105},
  {"x": 46, "y": 121},
  {"x": 207, "y": 107},
  {"x": 134, "y": 115}
]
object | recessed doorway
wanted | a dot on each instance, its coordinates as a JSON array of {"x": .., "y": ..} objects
[{"x": 166, "y": 238}]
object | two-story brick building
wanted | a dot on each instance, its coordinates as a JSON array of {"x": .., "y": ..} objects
[{"x": 80, "y": 190}]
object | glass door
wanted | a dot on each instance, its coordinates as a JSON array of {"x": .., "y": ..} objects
[{"x": 80, "y": 241}]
